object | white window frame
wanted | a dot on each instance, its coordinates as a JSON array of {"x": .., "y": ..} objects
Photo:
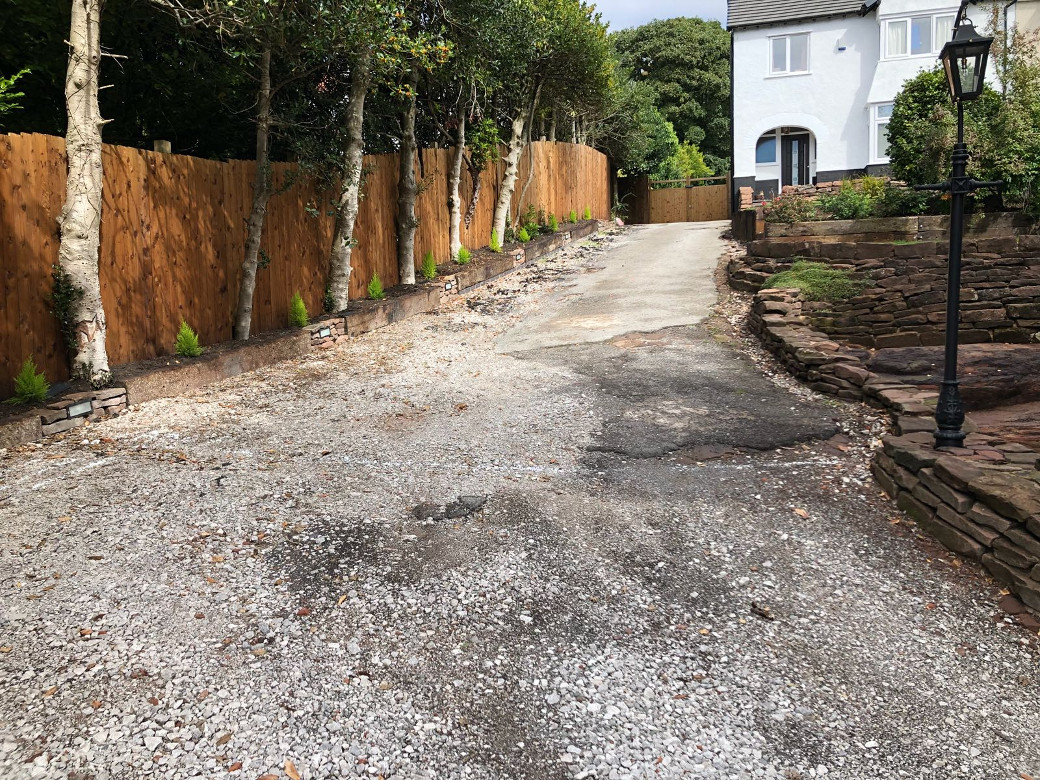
[
  {"x": 876, "y": 123},
  {"x": 937, "y": 45},
  {"x": 788, "y": 72}
]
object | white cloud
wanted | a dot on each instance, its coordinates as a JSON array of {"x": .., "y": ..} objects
[{"x": 631, "y": 13}]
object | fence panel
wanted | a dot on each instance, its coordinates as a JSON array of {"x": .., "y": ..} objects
[{"x": 173, "y": 235}]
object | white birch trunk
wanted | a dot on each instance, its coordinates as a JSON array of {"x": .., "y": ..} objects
[
  {"x": 261, "y": 195},
  {"x": 454, "y": 186},
  {"x": 80, "y": 219},
  {"x": 512, "y": 160},
  {"x": 350, "y": 188},
  {"x": 407, "y": 190}
]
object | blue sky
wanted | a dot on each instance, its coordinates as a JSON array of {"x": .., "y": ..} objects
[{"x": 630, "y": 13}]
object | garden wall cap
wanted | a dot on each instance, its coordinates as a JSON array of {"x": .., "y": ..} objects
[{"x": 751, "y": 13}]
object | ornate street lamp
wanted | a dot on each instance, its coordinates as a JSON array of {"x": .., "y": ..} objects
[{"x": 964, "y": 58}]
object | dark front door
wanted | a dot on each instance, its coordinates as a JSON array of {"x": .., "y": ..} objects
[{"x": 794, "y": 159}]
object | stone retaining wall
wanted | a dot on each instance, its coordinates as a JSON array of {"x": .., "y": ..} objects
[
  {"x": 904, "y": 303},
  {"x": 981, "y": 501},
  {"x": 989, "y": 513}
]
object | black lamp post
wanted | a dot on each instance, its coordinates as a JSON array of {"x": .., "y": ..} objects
[{"x": 965, "y": 58}]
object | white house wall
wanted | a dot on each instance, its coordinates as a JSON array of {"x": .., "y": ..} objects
[
  {"x": 830, "y": 100},
  {"x": 835, "y": 100}
]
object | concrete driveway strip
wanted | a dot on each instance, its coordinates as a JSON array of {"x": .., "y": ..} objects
[
  {"x": 660, "y": 276},
  {"x": 662, "y": 565}
]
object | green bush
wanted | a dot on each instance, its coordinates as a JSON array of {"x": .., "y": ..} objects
[
  {"x": 899, "y": 202},
  {"x": 464, "y": 256},
  {"x": 790, "y": 208},
  {"x": 429, "y": 267},
  {"x": 848, "y": 203},
  {"x": 817, "y": 281},
  {"x": 495, "y": 244},
  {"x": 375, "y": 288},
  {"x": 588, "y": 214},
  {"x": 29, "y": 387},
  {"x": 554, "y": 225},
  {"x": 188, "y": 341},
  {"x": 298, "y": 317},
  {"x": 523, "y": 236},
  {"x": 573, "y": 216}
]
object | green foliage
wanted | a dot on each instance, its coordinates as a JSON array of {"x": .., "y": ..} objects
[
  {"x": 685, "y": 64},
  {"x": 619, "y": 210},
  {"x": 850, "y": 202},
  {"x": 298, "y": 317},
  {"x": 901, "y": 202},
  {"x": 523, "y": 236},
  {"x": 464, "y": 256},
  {"x": 375, "y": 288},
  {"x": 188, "y": 342},
  {"x": 817, "y": 281},
  {"x": 790, "y": 208},
  {"x": 327, "y": 304},
  {"x": 482, "y": 141},
  {"x": 572, "y": 217},
  {"x": 494, "y": 244},
  {"x": 587, "y": 215},
  {"x": 8, "y": 97},
  {"x": 554, "y": 224},
  {"x": 65, "y": 297},
  {"x": 429, "y": 266},
  {"x": 29, "y": 387}
]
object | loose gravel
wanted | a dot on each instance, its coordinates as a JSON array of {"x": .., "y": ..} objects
[{"x": 237, "y": 583}]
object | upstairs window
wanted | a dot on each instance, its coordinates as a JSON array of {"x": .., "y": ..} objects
[
  {"x": 917, "y": 36},
  {"x": 789, "y": 54}
]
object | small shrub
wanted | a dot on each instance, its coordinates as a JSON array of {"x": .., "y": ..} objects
[
  {"x": 848, "y": 203},
  {"x": 495, "y": 244},
  {"x": 188, "y": 341},
  {"x": 523, "y": 236},
  {"x": 573, "y": 216},
  {"x": 298, "y": 317},
  {"x": 899, "y": 202},
  {"x": 588, "y": 214},
  {"x": 29, "y": 387},
  {"x": 790, "y": 208},
  {"x": 818, "y": 281},
  {"x": 464, "y": 256},
  {"x": 326, "y": 300},
  {"x": 428, "y": 270},
  {"x": 873, "y": 187},
  {"x": 375, "y": 288},
  {"x": 554, "y": 224}
]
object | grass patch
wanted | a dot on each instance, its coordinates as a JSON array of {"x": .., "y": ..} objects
[{"x": 818, "y": 281}]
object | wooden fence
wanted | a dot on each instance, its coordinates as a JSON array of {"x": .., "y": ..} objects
[{"x": 173, "y": 229}]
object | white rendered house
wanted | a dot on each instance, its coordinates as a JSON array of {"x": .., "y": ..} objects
[{"x": 814, "y": 82}]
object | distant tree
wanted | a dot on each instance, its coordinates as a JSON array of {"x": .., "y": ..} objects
[{"x": 686, "y": 62}]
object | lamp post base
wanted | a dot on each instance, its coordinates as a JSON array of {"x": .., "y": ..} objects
[{"x": 949, "y": 416}]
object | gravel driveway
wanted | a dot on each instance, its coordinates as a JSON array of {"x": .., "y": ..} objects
[{"x": 666, "y": 563}]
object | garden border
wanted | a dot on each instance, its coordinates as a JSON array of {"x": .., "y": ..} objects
[{"x": 137, "y": 383}]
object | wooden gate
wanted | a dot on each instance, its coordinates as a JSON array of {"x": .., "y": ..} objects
[{"x": 689, "y": 200}]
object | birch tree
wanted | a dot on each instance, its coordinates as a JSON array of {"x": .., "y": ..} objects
[
  {"x": 281, "y": 43},
  {"x": 80, "y": 219}
]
